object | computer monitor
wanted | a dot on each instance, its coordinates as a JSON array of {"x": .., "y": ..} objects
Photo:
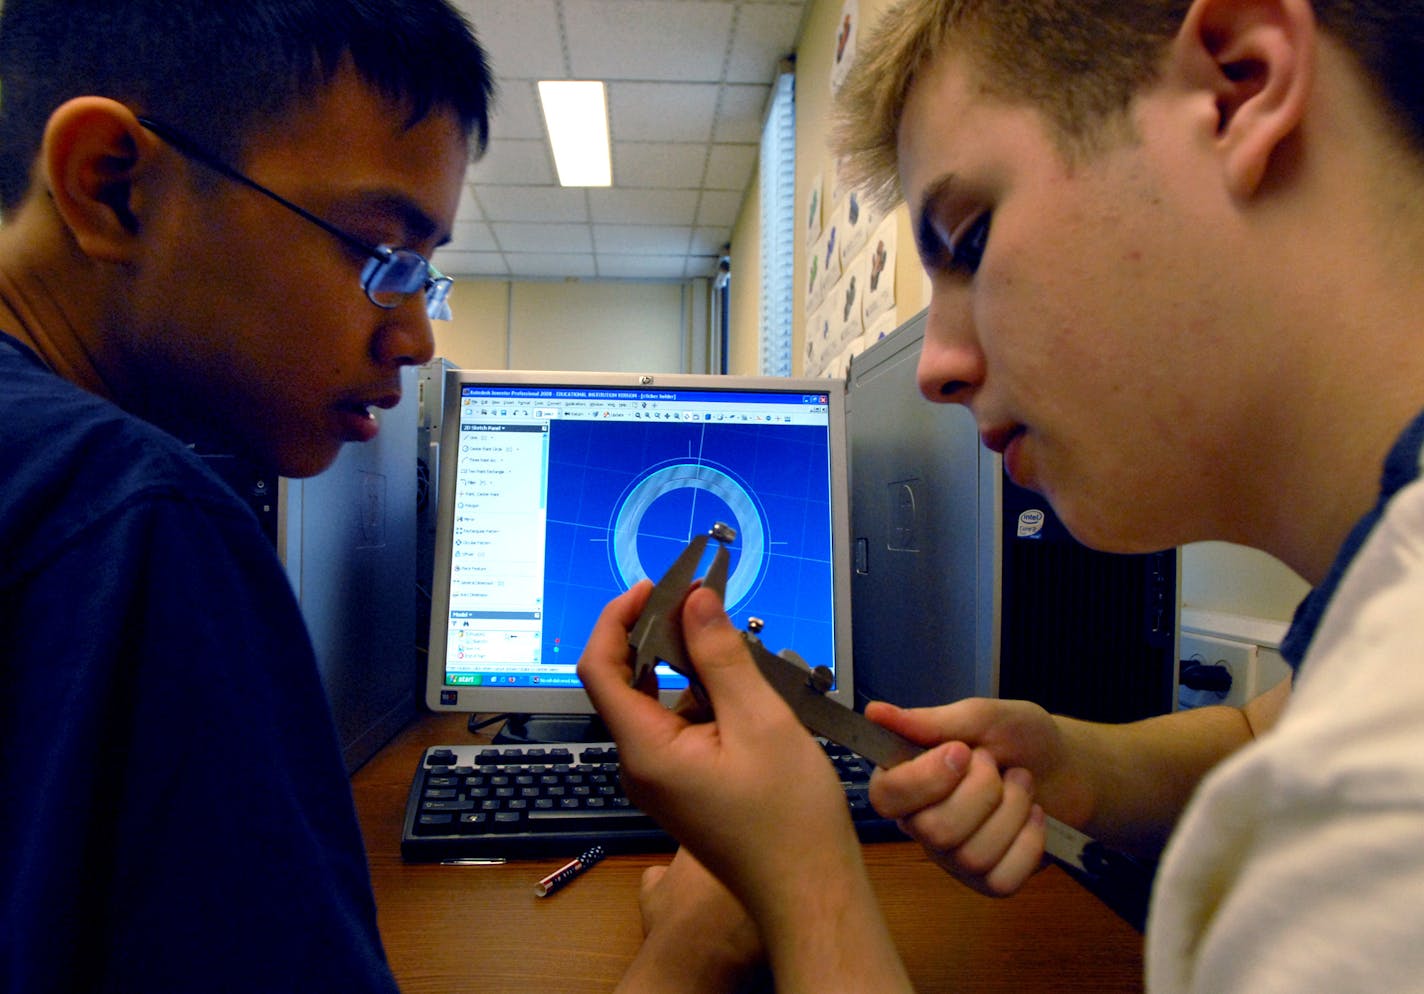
[{"x": 558, "y": 491}]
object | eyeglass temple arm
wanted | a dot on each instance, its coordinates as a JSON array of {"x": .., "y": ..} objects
[{"x": 183, "y": 144}]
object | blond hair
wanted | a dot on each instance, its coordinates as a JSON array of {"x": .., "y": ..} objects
[{"x": 1078, "y": 61}]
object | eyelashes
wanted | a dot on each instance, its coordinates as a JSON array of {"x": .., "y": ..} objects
[{"x": 967, "y": 252}]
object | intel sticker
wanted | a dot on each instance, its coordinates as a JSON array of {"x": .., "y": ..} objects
[{"x": 1030, "y": 523}]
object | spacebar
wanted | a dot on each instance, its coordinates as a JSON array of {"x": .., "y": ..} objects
[{"x": 609, "y": 820}]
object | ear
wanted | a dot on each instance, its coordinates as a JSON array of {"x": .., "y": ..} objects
[
  {"x": 93, "y": 152},
  {"x": 1257, "y": 57}
]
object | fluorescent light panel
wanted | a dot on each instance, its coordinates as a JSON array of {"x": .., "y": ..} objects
[{"x": 576, "y": 113}]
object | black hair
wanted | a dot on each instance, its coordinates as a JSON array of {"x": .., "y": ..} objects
[{"x": 217, "y": 68}]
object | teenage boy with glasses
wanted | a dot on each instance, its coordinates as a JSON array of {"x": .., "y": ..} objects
[
  {"x": 250, "y": 274},
  {"x": 1174, "y": 249}
]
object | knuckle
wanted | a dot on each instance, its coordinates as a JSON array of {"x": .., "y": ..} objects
[
  {"x": 975, "y": 863},
  {"x": 936, "y": 835}
]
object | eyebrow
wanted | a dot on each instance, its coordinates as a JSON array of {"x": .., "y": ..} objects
[
  {"x": 417, "y": 224},
  {"x": 926, "y": 240}
]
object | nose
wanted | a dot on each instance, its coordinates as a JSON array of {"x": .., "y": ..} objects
[
  {"x": 952, "y": 366},
  {"x": 405, "y": 338}
]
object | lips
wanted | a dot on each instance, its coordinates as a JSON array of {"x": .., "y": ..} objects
[
  {"x": 357, "y": 421},
  {"x": 998, "y": 439},
  {"x": 1006, "y": 442}
]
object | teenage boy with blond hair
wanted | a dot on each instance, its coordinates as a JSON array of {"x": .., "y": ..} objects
[{"x": 1174, "y": 251}]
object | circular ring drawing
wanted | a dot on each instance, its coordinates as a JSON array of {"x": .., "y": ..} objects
[{"x": 747, "y": 520}]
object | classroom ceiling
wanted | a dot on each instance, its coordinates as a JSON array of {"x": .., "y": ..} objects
[{"x": 688, "y": 82}]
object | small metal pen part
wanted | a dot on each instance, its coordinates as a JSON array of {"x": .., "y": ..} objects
[
  {"x": 475, "y": 861},
  {"x": 560, "y": 877}
]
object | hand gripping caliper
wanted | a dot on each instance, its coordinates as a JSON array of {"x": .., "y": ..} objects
[{"x": 656, "y": 636}]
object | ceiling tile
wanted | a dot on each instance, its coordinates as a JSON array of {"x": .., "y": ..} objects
[
  {"x": 719, "y": 208},
  {"x": 616, "y": 206},
  {"x": 469, "y": 208},
  {"x": 729, "y": 167},
  {"x": 641, "y": 239},
  {"x": 629, "y": 39},
  {"x": 517, "y": 113},
  {"x": 458, "y": 264},
  {"x": 701, "y": 265},
  {"x": 708, "y": 241},
  {"x": 548, "y": 238},
  {"x": 688, "y": 86},
  {"x": 648, "y": 267},
  {"x": 667, "y": 112},
  {"x": 740, "y": 114},
  {"x": 470, "y": 236},
  {"x": 765, "y": 34},
  {"x": 516, "y": 162},
  {"x": 669, "y": 165},
  {"x": 540, "y": 204},
  {"x": 545, "y": 264},
  {"x": 521, "y": 39}
]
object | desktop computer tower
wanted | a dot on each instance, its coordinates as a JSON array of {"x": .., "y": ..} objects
[
  {"x": 430, "y": 410},
  {"x": 347, "y": 538},
  {"x": 967, "y": 585}
]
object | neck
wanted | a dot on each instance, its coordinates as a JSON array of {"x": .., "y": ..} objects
[
  {"x": 45, "y": 284},
  {"x": 1334, "y": 324},
  {"x": 1350, "y": 384}
]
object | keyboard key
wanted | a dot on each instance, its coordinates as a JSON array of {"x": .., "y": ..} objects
[
  {"x": 585, "y": 820},
  {"x": 440, "y": 757}
]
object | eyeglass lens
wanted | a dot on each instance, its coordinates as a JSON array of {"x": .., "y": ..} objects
[{"x": 391, "y": 280}]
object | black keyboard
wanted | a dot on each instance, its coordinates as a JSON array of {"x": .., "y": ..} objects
[{"x": 536, "y": 801}]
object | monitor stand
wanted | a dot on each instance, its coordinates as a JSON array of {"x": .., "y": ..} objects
[{"x": 533, "y": 729}]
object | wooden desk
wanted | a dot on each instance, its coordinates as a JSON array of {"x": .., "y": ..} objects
[{"x": 481, "y": 929}]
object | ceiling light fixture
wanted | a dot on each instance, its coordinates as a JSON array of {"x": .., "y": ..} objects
[{"x": 576, "y": 114}]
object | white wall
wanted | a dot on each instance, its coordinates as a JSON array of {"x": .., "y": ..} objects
[{"x": 576, "y": 325}]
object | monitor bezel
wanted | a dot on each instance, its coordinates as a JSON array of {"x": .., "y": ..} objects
[{"x": 493, "y": 699}]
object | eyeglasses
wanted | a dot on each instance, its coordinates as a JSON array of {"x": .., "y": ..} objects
[{"x": 391, "y": 274}]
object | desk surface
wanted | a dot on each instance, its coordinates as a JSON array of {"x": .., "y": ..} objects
[{"x": 450, "y": 929}]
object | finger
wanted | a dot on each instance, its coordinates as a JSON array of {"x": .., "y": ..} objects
[
  {"x": 1023, "y": 859},
  {"x": 606, "y": 656},
  {"x": 920, "y": 782},
  {"x": 944, "y": 827},
  {"x": 987, "y": 846},
  {"x": 965, "y": 720},
  {"x": 608, "y": 642},
  {"x": 734, "y": 685},
  {"x": 604, "y": 669}
]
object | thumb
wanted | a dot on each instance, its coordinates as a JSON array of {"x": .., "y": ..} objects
[
  {"x": 960, "y": 720},
  {"x": 724, "y": 663}
]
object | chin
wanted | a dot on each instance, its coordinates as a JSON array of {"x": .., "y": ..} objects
[
  {"x": 1119, "y": 535},
  {"x": 307, "y": 464},
  {"x": 298, "y": 459}
]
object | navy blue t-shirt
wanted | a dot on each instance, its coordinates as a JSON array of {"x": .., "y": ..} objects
[{"x": 174, "y": 812}]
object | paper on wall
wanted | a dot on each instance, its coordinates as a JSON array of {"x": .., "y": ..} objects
[{"x": 880, "y": 274}]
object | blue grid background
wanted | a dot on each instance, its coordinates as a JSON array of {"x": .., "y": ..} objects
[{"x": 784, "y": 468}]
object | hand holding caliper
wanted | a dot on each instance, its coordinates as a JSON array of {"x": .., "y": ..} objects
[{"x": 657, "y": 637}]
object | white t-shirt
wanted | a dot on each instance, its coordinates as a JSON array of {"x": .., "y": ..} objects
[{"x": 1299, "y": 864}]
